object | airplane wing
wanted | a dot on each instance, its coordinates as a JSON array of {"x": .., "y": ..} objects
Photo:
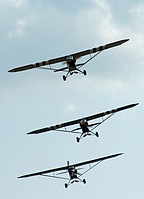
[
  {"x": 64, "y": 58},
  {"x": 39, "y": 64},
  {"x": 66, "y": 167},
  {"x": 44, "y": 172},
  {"x": 96, "y": 160},
  {"x": 100, "y": 48},
  {"x": 95, "y": 116}
]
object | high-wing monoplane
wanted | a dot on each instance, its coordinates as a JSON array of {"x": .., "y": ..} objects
[
  {"x": 72, "y": 170},
  {"x": 71, "y": 66},
  {"x": 84, "y": 126}
]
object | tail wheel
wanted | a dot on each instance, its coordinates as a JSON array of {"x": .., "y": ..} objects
[
  {"x": 84, "y": 181},
  {"x": 66, "y": 185},
  {"x": 64, "y": 77},
  {"x": 84, "y": 72}
]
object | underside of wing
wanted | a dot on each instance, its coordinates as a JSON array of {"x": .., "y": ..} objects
[
  {"x": 44, "y": 172},
  {"x": 100, "y": 48},
  {"x": 22, "y": 68},
  {"x": 66, "y": 167},
  {"x": 39, "y": 64},
  {"x": 110, "y": 112},
  {"x": 96, "y": 160},
  {"x": 70, "y": 123},
  {"x": 64, "y": 58}
]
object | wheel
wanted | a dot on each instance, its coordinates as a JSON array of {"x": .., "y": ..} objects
[
  {"x": 77, "y": 139},
  {"x": 64, "y": 77},
  {"x": 66, "y": 185},
  {"x": 84, "y": 72},
  {"x": 97, "y": 134},
  {"x": 84, "y": 181}
]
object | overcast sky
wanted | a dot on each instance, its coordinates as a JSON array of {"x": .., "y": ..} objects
[{"x": 36, "y": 30}]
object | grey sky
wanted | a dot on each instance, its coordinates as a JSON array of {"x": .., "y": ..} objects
[{"x": 32, "y": 31}]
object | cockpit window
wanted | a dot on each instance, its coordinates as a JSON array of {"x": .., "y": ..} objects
[
  {"x": 69, "y": 58},
  {"x": 83, "y": 121}
]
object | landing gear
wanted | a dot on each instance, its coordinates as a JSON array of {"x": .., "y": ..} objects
[
  {"x": 75, "y": 71},
  {"x": 79, "y": 180},
  {"x": 97, "y": 134},
  {"x": 86, "y": 134},
  {"x": 66, "y": 185},
  {"x": 64, "y": 77},
  {"x": 84, "y": 181},
  {"x": 84, "y": 72}
]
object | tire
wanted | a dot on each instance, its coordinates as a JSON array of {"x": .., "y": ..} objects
[
  {"x": 64, "y": 77},
  {"x": 84, "y": 72},
  {"x": 66, "y": 185},
  {"x": 97, "y": 134}
]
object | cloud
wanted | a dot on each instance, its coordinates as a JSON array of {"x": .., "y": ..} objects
[
  {"x": 70, "y": 108},
  {"x": 18, "y": 29},
  {"x": 137, "y": 11},
  {"x": 18, "y": 3},
  {"x": 99, "y": 21}
]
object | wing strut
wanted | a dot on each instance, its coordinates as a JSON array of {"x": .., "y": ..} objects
[
  {"x": 80, "y": 65},
  {"x": 53, "y": 176},
  {"x": 90, "y": 167},
  {"x": 102, "y": 121}
]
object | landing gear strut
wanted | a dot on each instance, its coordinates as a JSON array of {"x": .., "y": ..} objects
[
  {"x": 71, "y": 73},
  {"x": 79, "y": 138},
  {"x": 66, "y": 185}
]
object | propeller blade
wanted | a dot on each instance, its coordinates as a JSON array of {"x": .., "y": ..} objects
[{"x": 68, "y": 163}]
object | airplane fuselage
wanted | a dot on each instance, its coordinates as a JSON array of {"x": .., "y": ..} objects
[
  {"x": 71, "y": 63},
  {"x": 84, "y": 126},
  {"x": 72, "y": 172}
]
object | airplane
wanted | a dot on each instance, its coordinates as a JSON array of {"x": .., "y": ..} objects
[
  {"x": 74, "y": 175},
  {"x": 70, "y": 61},
  {"x": 84, "y": 126}
]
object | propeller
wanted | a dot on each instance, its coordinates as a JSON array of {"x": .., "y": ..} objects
[{"x": 68, "y": 163}]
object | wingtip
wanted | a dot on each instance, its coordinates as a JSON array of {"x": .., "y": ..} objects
[
  {"x": 10, "y": 71},
  {"x": 30, "y": 133},
  {"x": 14, "y": 70},
  {"x": 118, "y": 154},
  {"x": 121, "y": 153},
  {"x": 135, "y": 104},
  {"x": 124, "y": 40},
  {"x": 127, "y": 40},
  {"x": 132, "y": 105},
  {"x": 20, "y": 177}
]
